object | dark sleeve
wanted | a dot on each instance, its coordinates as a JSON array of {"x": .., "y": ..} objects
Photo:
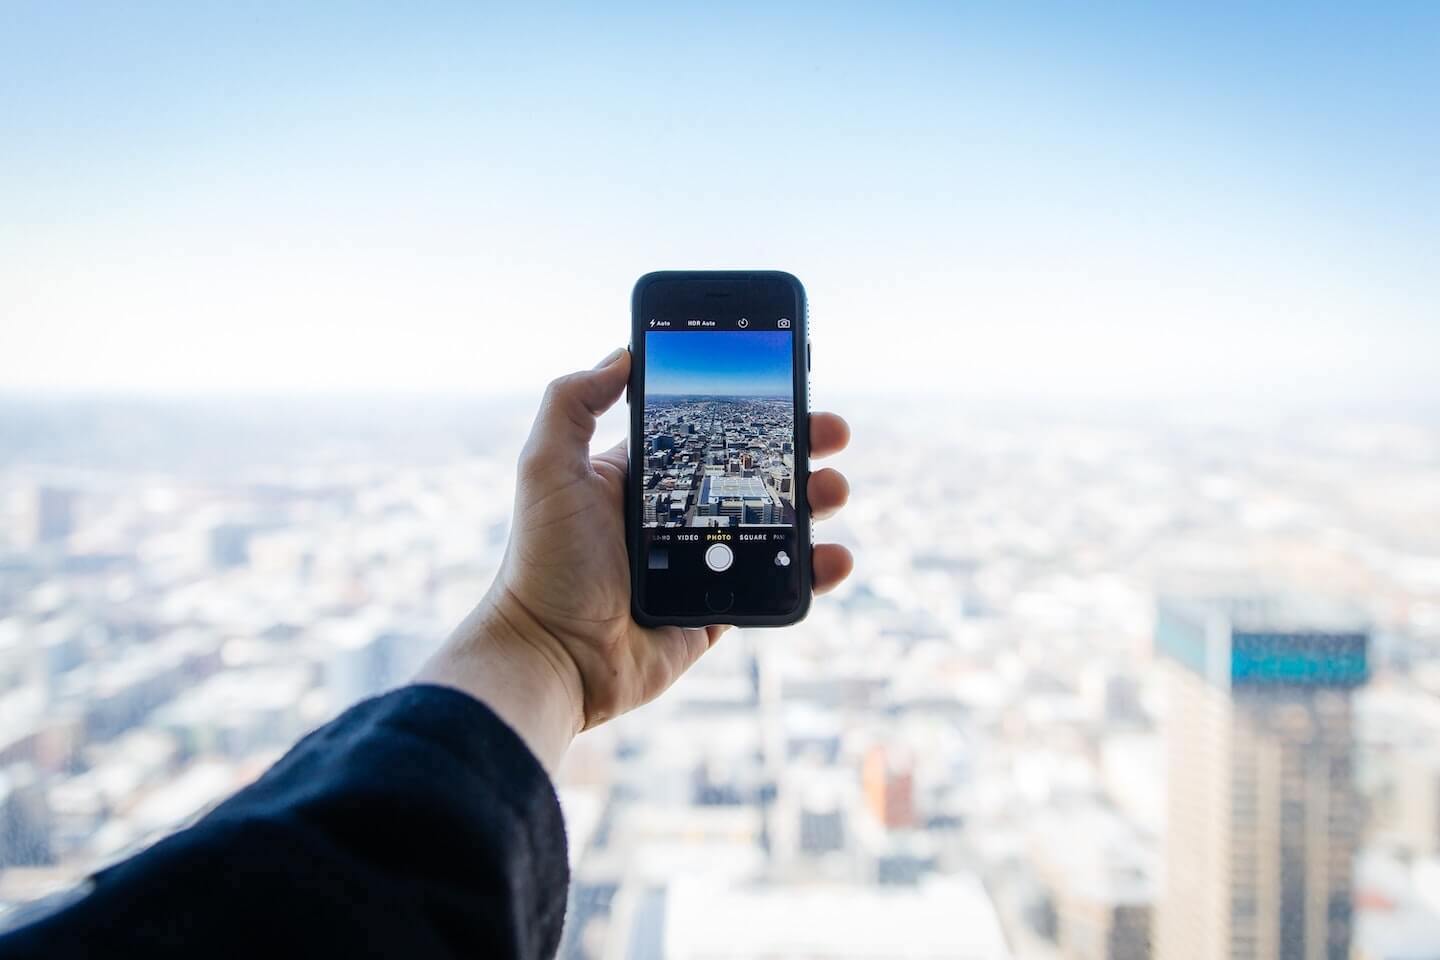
[{"x": 415, "y": 825}]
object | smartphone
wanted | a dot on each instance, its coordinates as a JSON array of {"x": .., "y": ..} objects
[{"x": 717, "y": 521}]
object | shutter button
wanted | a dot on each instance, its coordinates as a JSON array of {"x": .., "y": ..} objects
[{"x": 719, "y": 557}]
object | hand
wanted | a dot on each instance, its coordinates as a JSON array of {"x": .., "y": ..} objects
[{"x": 552, "y": 647}]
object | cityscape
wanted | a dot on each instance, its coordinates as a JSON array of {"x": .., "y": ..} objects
[
  {"x": 719, "y": 429},
  {"x": 719, "y": 461},
  {"x": 1102, "y": 685}
]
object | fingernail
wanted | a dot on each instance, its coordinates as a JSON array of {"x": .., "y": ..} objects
[{"x": 614, "y": 355}]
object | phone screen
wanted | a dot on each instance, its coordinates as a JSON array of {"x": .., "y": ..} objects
[{"x": 720, "y": 507}]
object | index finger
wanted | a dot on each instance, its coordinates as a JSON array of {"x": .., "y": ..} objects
[{"x": 829, "y": 434}]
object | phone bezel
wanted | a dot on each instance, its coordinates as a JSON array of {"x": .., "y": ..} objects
[{"x": 717, "y": 280}]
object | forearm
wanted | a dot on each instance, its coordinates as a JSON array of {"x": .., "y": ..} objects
[
  {"x": 414, "y": 825},
  {"x": 496, "y": 657}
]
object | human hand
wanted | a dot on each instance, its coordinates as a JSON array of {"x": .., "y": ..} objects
[{"x": 553, "y": 644}]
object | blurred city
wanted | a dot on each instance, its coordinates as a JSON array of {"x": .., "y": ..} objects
[{"x": 1101, "y": 686}]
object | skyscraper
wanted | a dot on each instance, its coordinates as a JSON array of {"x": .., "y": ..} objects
[
  {"x": 54, "y": 514},
  {"x": 1262, "y": 810},
  {"x": 889, "y": 787}
]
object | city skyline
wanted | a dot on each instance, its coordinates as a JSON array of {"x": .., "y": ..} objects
[
  {"x": 966, "y": 746},
  {"x": 718, "y": 461}
]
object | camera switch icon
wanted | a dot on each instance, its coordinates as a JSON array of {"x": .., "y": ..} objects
[{"x": 783, "y": 323}]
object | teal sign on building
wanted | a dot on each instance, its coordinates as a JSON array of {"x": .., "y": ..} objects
[
  {"x": 1298, "y": 659},
  {"x": 1205, "y": 638}
]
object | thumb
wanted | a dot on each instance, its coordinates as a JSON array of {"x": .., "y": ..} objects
[{"x": 560, "y": 437}]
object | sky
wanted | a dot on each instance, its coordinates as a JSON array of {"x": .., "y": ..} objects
[
  {"x": 1229, "y": 201},
  {"x": 719, "y": 363}
]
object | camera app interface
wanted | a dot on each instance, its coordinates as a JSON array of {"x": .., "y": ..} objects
[{"x": 719, "y": 479}]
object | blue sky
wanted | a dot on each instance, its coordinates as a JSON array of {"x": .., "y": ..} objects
[
  {"x": 719, "y": 363},
  {"x": 1127, "y": 200}
]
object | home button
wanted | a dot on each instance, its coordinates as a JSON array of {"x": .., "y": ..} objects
[{"x": 719, "y": 600}]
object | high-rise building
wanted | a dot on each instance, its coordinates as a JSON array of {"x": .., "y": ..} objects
[
  {"x": 1262, "y": 810},
  {"x": 1100, "y": 872},
  {"x": 25, "y": 818},
  {"x": 889, "y": 784},
  {"x": 54, "y": 514},
  {"x": 745, "y": 500},
  {"x": 230, "y": 545}
]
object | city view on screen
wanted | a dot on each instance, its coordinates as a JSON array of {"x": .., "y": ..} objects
[{"x": 719, "y": 429}]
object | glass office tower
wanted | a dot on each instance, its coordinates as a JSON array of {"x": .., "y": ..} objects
[{"x": 1263, "y": 812}]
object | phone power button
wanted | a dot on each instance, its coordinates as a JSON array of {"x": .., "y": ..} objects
[{"x": 719, "y": 557}]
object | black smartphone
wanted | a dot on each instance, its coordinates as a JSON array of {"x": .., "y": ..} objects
[{"x": 718, "y": 524}]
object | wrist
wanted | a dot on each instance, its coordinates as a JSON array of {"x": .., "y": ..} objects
[{"x": 500, "y": 656}]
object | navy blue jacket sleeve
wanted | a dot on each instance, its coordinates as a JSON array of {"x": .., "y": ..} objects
[{"x": 415, "y": 825}]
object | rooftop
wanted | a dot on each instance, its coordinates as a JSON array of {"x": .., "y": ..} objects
[
  {"x": 1097, "y": 854},
  {"x": 942, "y": 917},
  {"x": 717, "y": 488}
]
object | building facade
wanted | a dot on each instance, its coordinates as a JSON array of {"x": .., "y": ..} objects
[{"x": 1263, "y": 813}]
